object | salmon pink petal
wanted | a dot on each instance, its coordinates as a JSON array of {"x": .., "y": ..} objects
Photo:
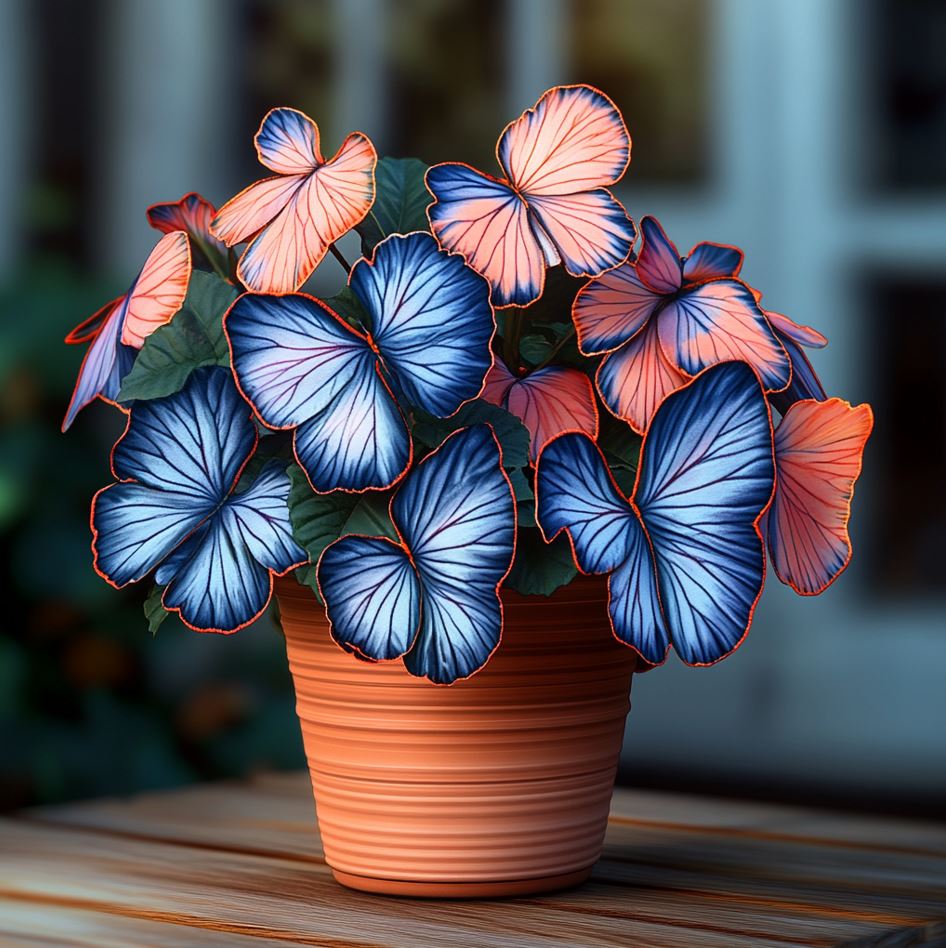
[
  {"x": 292, "y": 219},
  {"x": 803, "y": 335},
  {"x": 552, "y": 400},
  {"x": 498, "y": 382},
  {"x": 720, "y": 321},
  {"x": 254, "y": 207},
  {"x": 547, "y": 401},
  {"x": 192, "y": 214},
  {"x": 611, "y": 309},
  {"x": 553, "y": 208},
  {"x": 819, "y": 447},
  {"x": 574, "y": 139},
  {"x": 658, "y": 265},
  {"x": 487, "y": 222},
  {"x": 159, "y": 291},
  {"x": 120, "y": 327},
  {"x": 634, "y": 379},
  {"x": 92, "y": 325},
  {"x": 591, "y": 231}
]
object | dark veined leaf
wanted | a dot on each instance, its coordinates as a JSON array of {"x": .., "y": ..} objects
[
  {"x": 512, "y": 435},
  {"x": 539, "y": 567},
  {"x": 400, "y": 204},
  {"x": 155, "y": 612},
  {"x": 193, "y": 338}
]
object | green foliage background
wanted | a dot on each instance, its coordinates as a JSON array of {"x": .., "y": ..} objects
[{"x": 91, "y": 703}]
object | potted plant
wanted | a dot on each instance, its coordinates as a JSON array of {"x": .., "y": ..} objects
[{"x": 520, "y": 454}]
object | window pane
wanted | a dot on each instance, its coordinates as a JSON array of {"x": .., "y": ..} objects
[
  {"x": 907, "y": 453},
  {"x": 907, "y": 45},
  {"x": 446, "y": 81},
  {"x": 652, "y": 59}
]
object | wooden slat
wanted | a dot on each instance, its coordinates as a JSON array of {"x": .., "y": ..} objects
[
  {"x": 241, "y": 863},
  {"x": 30, "y": 924}
]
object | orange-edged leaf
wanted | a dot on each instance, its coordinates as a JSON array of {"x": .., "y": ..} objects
[
  {"x": 548, "y": 402},
  {"x": 720, "y": 321},
  {"x": 636, "y": 378},
  {"x": 292, "y": 219},
  {"x": 819, "y": 447},
  {"x": 159, "y": 291}
]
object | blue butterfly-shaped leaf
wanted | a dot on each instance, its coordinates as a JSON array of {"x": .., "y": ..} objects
[
  {"x": 432, "y": 597},
  {"x": 685, "y": 554},
  {"x": 175, "y": 507},
  {"x": 303, "y": 368}
]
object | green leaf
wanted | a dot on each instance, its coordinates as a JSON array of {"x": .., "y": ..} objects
[
  {"x": 535, "y": 348},
  {"x": 512, "y": 435},
  {"x": 539, "y": 567},
  {"x": 317, "y": 519},
  {"x": 193, "y": 338},
  {"x": 525, "y": 499},
  {"x": 552, "y": 339},
  {"x": 320, "y": 519},
  {"x": 155, "y": 612},
  {"x": 619, "y": 442},
  {"x": 370, "y": 517},
  {"x": 349, "y": 307},
  {"x": 400, "y": 204},
  {"x": 520, "y": 485},
  {"x": 305, "y": 576}
]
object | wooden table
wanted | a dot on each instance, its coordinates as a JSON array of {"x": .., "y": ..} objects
[{"x": 240, "y": 864}]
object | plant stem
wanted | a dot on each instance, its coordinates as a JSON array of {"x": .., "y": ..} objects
[
  {"x": 339, "y": 256},
  {"x": 515, "y": 323},
  {"x": 555, "y": 349},
  {"x": 211, "y": 257}
]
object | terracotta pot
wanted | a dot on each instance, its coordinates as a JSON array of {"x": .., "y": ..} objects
[{"x": 497, "y": 785}]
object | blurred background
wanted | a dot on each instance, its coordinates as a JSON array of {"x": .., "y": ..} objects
[{"x": 810, "y": 132}]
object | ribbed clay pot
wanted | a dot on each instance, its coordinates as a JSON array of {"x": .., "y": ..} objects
[{"x": 496, "y": 785}]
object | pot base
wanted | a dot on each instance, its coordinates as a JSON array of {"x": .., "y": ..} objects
[
  {"x": 496, "y": 786},
  {"x": 462, "y": 890}
]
